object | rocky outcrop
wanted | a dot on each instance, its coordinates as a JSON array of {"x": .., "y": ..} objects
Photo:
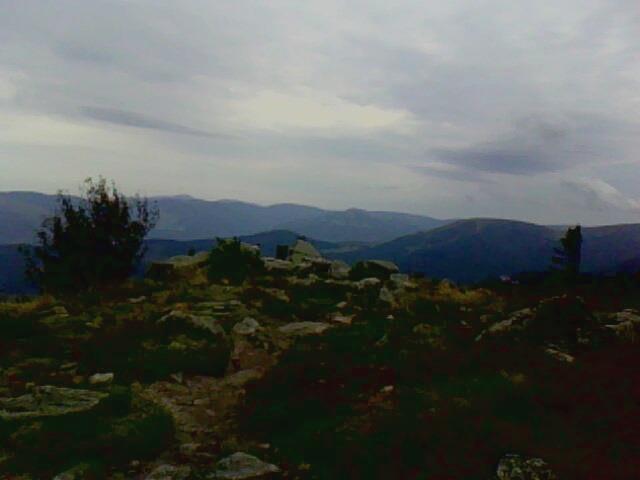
[{"x": 303, "y": 251}]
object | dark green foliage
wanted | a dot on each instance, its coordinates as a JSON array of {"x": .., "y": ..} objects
[
  {"x": 90, "y": 244},
  {"x": 558, "y": 319},
  {"x": 569, "y": 256},
  {"x": 232, "y": 261},
  {"x": 123, "y": 428}
]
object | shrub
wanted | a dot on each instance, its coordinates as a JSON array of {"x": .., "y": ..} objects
[
  {"x": 231, "y": 260},
  {"x": 91, "y": 243}
]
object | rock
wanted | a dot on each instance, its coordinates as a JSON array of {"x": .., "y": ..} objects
[
  {"x": 515, "y": 467},
  {"x": 242, "y": 466},
  {"x": 302, "y": 251},
  {"x": 365, "y": 283},
  {"x": 277, "y": 265},
  {"x": 320, "y": 266},
  {"x": 182, "y": 321},
  {"x": 386, "y": 297},
  {"x": 242, "y": 377},
  {"x": 69, "y": 366},
  {"x": 60, "y": 311},
  {"x": 399, "y": 280},
  {"x": 373, "y": 268},
  {"x": 49, "y": 401},
  {"x": 170, "y": 472},
  {"x": 339, "y": 270},
  {"x": 218, "y": 307},
  {"x": 559, "y": 355},
  {"x": 101, "y": 378},
  {"x": 299, "y": 329},
  {"x": 343, "y": 319},
  {"x": 277, "y": 294},
  {"x": 625, "y": 325},
  {"x": 79, "y": 472},
  {"x": 516, "y": 322},
  {"x": 248, "y": 326},
  {"x": 190, "y": 449},
  {"x": 176, "y": 267}
]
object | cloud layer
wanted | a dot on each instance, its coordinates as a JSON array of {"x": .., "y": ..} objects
[{"x": 452, "y": 108}]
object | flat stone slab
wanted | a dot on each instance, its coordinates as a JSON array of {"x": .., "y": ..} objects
[
  {"x": 49, "y": 401},
  {"x": 304, "y": 328}
]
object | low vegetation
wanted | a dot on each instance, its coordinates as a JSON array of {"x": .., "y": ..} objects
[{"x": 231, "y": 365}]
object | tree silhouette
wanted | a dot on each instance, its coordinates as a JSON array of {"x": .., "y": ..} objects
[
  {"x": 90, "y": 243},
  {"x": 569, "y": 256}
]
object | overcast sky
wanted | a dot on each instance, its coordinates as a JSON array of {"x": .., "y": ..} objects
[{"x": 449, "y": 108}]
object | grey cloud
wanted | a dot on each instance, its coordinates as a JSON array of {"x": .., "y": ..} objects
[
  {"x": 132, "y": 119},
  {"x": 457, "y": 174},
  {"x": 494, "y": 159},
  {"x": 538, "y": 145}
]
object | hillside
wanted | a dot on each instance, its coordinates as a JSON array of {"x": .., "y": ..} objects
[
  {"x": 302, "y": 371},
  {"x": 465, "y": 251},
  {"x": 472, "y": 250},
  {"x": 362, "y": 225},
  {"x": 186, "y": 218}
]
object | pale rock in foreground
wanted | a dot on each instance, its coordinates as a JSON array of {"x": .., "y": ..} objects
[
  {"x": 101, "y": 378},
  {"x": 242, "y": 466},
  {"x": 248, "y": 326}
]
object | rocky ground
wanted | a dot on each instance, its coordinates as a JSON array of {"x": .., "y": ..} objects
[{"x": 312, "y": 370}]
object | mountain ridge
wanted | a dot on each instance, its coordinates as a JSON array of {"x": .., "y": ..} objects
[{"x": 185, "y": 218}]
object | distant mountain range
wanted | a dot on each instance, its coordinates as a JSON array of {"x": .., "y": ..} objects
[
  {"x": 465, "y": 251},
  {"x": 186, "y": 218}
]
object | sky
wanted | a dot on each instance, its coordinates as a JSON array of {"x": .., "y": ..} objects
[{"x": 448, "y": 108}]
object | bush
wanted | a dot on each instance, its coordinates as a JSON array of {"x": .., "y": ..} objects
[
  {"x": 231, "y": 260},
  {"x": 91, "y": 243}
]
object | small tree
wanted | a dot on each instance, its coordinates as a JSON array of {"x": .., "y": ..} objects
[
  {"x": 90, "y": 243},
  {"x": 233, "y": 261},
  {"x": 569, "y": 256}
]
